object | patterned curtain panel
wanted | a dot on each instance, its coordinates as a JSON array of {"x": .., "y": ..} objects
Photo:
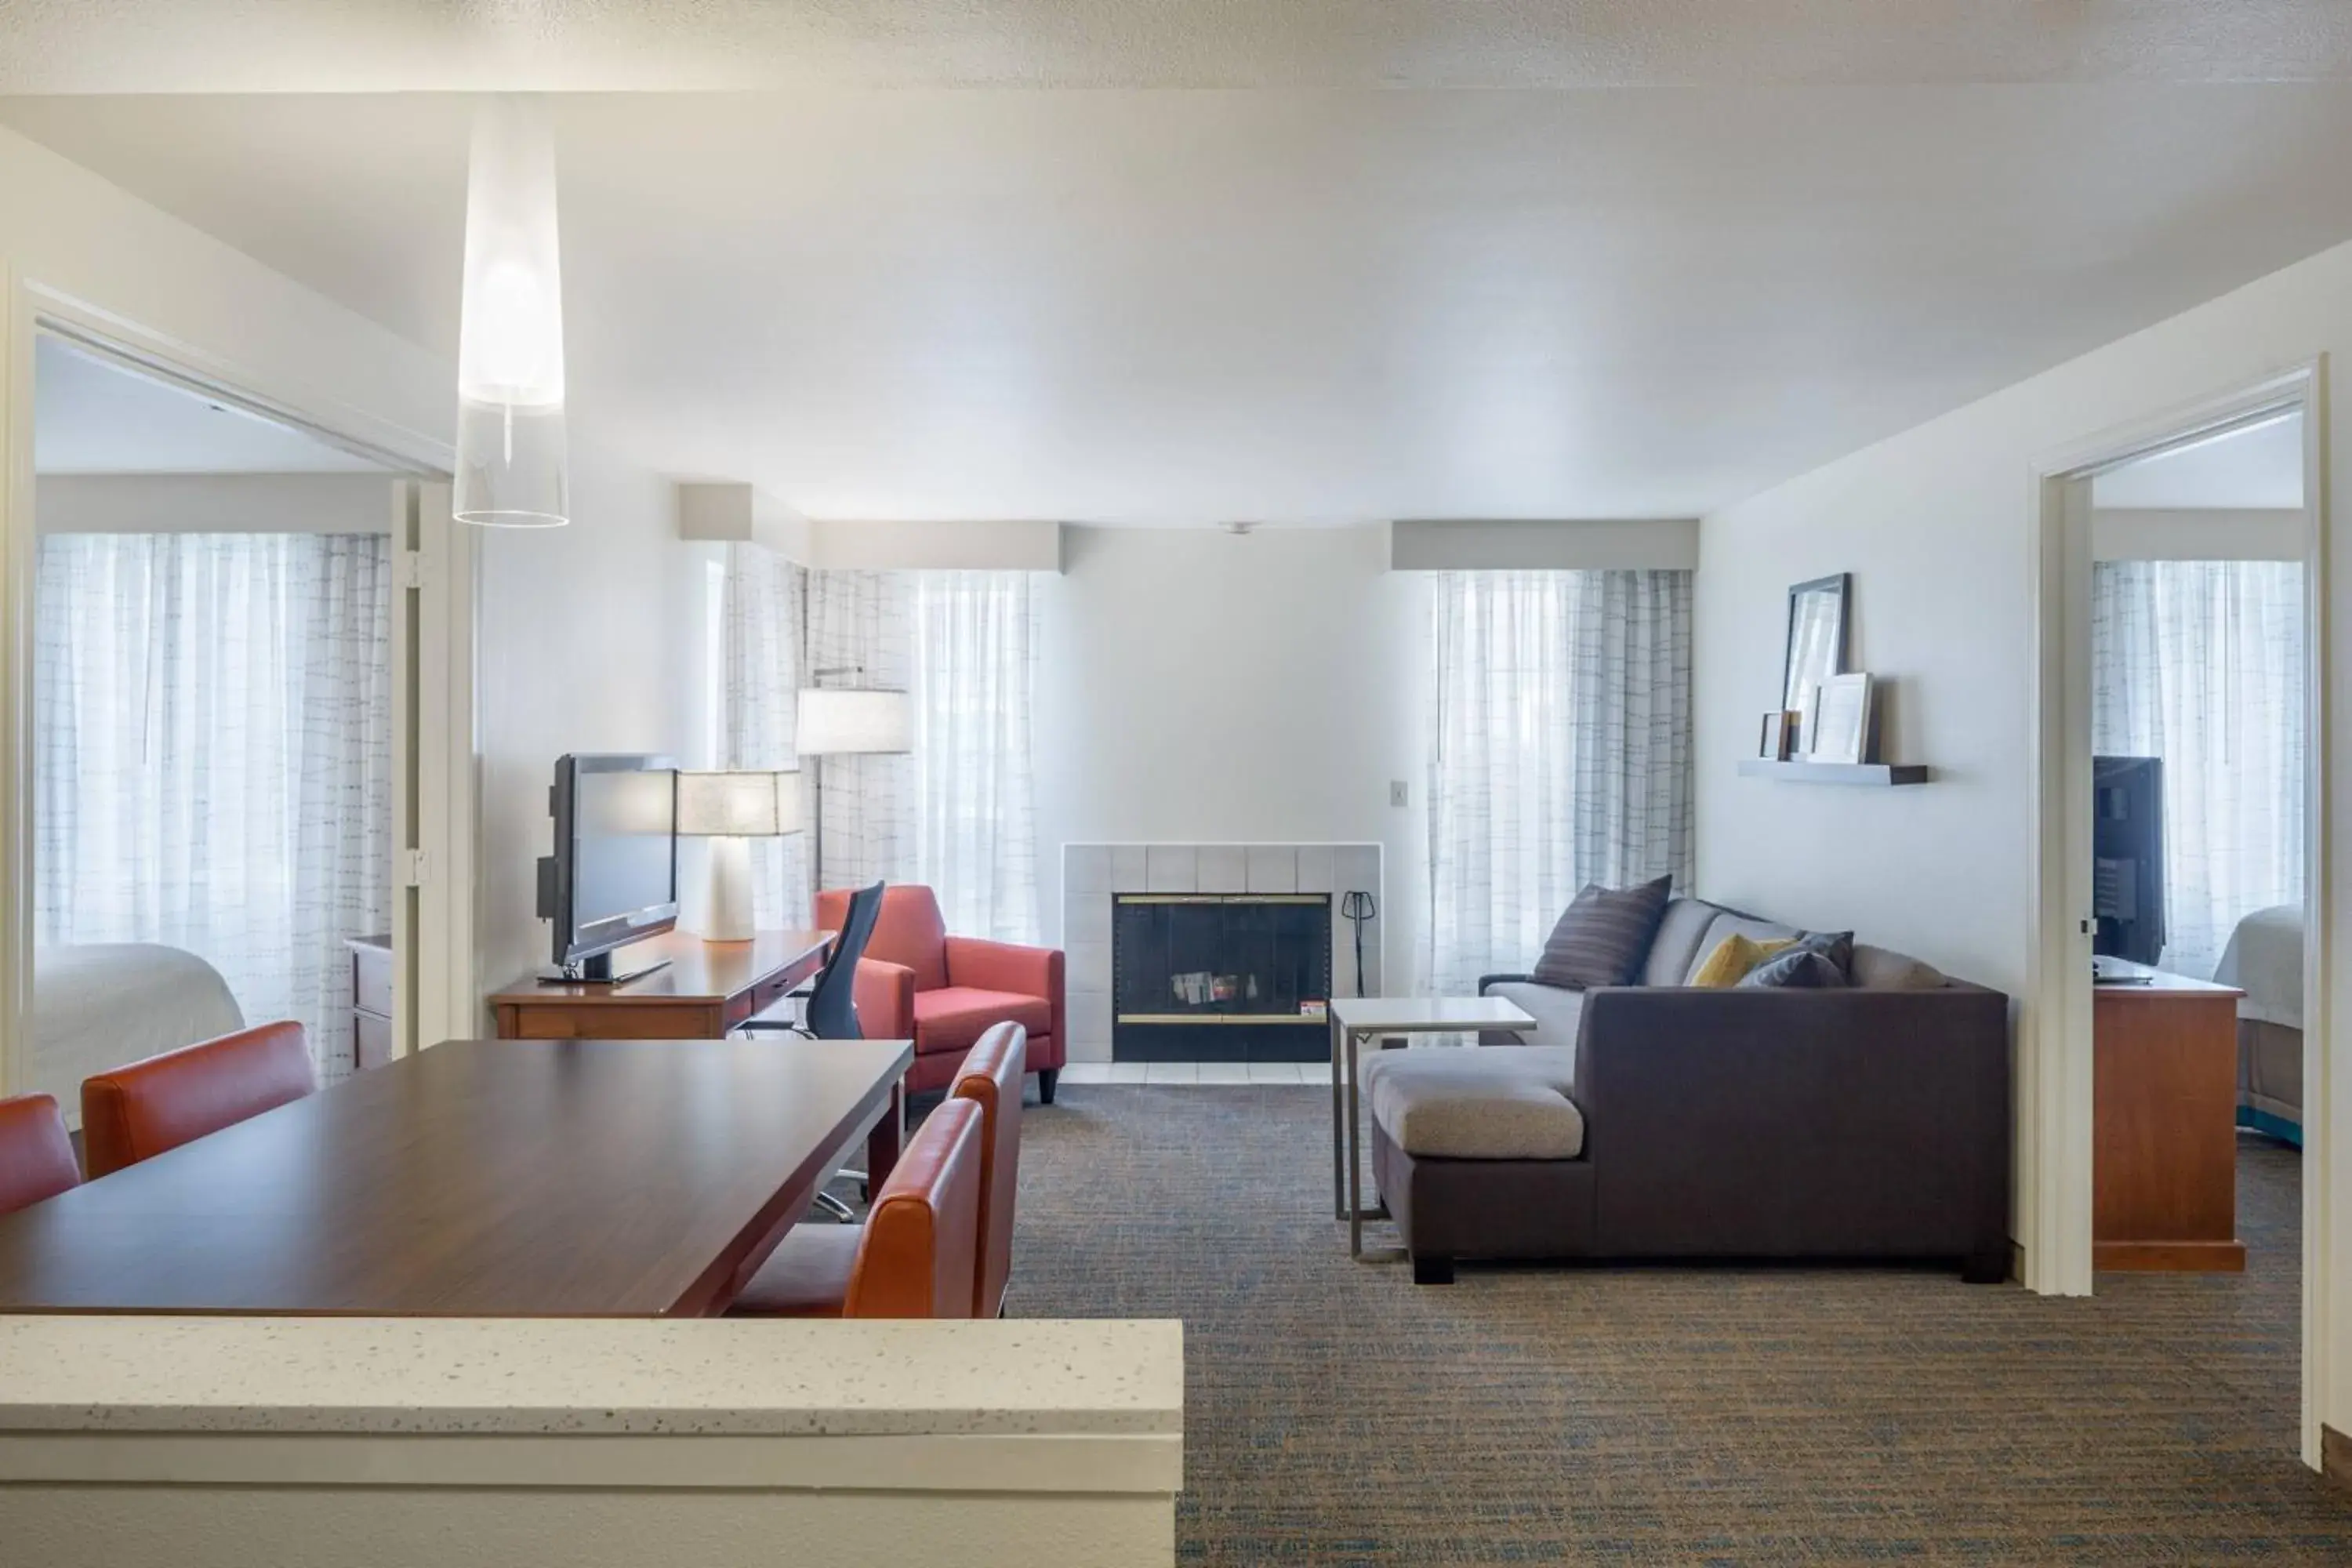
[
  {"x": 1559, "y": 754},
  {"x": 862, "y": 633},
  {"x": 213, "y": 757},
  {"x": 760, "y": 639},
  {"x": 958, "y": 813},
  {"x": 2201, "y": 663}
]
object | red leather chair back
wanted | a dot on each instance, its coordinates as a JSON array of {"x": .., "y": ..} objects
[
  {"x": 920, "y": 1249},
  {"x": 991, "y": 1078},
  {"x": 36, "y": 1157},
  {"x": 908, "y": 932},
  {"x": 138, "y": 1111}
]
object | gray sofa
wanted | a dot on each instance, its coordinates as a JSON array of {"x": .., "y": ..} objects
[{"x": 1663, "y": 1120}]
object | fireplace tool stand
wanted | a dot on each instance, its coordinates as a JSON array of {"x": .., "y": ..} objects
[{"x": 1357, "y": 908}]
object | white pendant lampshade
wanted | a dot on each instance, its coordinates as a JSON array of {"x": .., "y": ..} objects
[
  {"x": 843, "y": 722},
  {"x": 511, "y": 453}
]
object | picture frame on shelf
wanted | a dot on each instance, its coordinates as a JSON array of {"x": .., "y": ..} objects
[
  {"x": 1818, "y": 635},
  {"x": 1778, "y": 742},
  {"x": 1840, "y": 720}
]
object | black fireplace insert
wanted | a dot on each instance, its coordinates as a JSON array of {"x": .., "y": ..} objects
[{"x": 1221, "y": 977}]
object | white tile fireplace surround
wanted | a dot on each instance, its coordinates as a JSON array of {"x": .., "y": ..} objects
[{"x": 1092, "y": 874}]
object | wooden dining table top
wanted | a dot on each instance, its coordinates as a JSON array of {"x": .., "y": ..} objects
[{"x": 479, "y": 1178}]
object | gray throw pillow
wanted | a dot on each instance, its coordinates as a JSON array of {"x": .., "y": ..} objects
[
  {"x": 1605, "y": 936},
  {"x": 1816, "y": 961}
]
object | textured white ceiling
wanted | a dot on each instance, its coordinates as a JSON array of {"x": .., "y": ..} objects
[
  {"x": 92, "y": 416},
  {"x": 1181, "y": 307},
  {"x": 353, "y": 46}
]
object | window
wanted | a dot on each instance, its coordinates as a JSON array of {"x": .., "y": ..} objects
[{"x": 1560, "y": 753}]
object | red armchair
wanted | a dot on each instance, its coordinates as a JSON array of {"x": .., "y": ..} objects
[{"x": 916, "y": 983}]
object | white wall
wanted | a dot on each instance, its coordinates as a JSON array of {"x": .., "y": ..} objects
[
  {"x": 2197, "y": 534},
  {"x": 213, "y": 503},
  {"x": 1933, "y": 525},
  {"x": 1470, "y": 544},
  {"x": 1197, "y": 686},
  {"x": 592, "y": 641},
  {"x": 64, "y": 228},
  {"x": 590, "y": 636}
]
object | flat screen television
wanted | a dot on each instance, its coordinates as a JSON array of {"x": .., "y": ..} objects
[
  {"x": 2128, "y": 864},
  {"x": 613, "y": 878}
]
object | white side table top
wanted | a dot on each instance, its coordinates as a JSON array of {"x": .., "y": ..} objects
[{"x": 1406, "y": 1014}]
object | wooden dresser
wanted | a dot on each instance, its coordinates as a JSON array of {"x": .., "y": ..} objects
[
  {"x": 2165, "y": 1141},
  {"x": 371, "y": 1001},
  {"x": 707, "y": 989}
]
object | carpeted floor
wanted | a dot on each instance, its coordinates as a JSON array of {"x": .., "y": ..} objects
[{"x": 1337, "y": 1413}]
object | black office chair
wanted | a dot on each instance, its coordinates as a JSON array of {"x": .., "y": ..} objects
[{"x": 832, "y": 1010}]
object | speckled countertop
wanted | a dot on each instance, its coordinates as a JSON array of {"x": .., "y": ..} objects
[{"x": 510, "y": 1376}]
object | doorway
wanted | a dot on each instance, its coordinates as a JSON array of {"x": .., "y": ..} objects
[
  {"x": 242, "y": 721},
  {"x": 2179, "y": 747}
]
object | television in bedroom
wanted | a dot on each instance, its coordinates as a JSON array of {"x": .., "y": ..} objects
[
  {"x": 2128, "y": 858},
  {"x": 613, "y": 879}
]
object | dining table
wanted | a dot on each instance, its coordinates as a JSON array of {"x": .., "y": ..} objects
[{"x": 479, "y": 1178}]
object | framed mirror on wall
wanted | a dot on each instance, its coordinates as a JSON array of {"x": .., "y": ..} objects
[{"x": 1816, "y": 648}]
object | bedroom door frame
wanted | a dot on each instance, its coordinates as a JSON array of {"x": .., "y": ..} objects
[
  {"x": 435, "y": 739},
  {"x": 2055, "y": 1031}
]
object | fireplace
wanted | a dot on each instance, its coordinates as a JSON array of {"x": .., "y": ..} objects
[{"x": 1221, "y": 977}]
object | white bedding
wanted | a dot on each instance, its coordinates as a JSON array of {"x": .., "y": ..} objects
[
  {"x": 2264, "y": 960},
  {"x": 98, "y": 1006}
]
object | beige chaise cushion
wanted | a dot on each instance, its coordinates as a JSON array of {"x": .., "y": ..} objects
[{"x": 1477, "y": 1103}]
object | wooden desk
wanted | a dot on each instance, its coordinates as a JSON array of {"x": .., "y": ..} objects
[
  {"x": 2165, "y": 1152},
  {"x": 708, "y": 989},
  {"x": 490, "y": 1178}
]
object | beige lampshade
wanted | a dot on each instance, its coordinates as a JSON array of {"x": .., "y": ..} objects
[
  {"x": 837, "y": 722},
  {"x": 738, "y": 804}
]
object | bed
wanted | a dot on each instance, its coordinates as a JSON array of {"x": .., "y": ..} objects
[
  {"x": 100, "y": 1004},
  {"x": 2264, "y": 960}
]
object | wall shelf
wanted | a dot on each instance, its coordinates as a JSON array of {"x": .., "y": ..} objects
[{"x": 1880, "y": 774}]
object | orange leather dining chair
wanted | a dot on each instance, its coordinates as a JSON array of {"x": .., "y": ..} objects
[
  {"x": 138, "y": 1111},
  {"x": 992, "y": 1080},
  {"x": 36, "y": 1157},
  {"x": 915, "y": 1256}
]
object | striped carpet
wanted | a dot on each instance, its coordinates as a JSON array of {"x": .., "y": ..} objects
[{"x": 1337, "y": 1413}]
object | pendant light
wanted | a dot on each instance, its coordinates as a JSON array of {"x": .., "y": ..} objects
[{"x": 510, "y": 444}]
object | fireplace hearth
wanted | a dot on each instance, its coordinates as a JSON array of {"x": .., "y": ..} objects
[{"x": 1221, "y": 977}]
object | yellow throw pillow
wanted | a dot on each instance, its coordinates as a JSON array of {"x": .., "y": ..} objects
[{"x": 1733, "y": 957}]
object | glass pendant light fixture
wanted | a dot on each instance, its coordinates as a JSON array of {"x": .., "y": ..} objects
[{"x": 510, "y": 445}]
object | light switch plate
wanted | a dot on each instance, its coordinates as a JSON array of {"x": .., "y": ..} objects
[{"x": 1400, "y": 794}]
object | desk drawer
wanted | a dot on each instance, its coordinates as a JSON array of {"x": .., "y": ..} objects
[
  {"x": 371, "y": 1041},
  {"x": 614, "y": 1021},
  {"x": 372, "y": 978}
]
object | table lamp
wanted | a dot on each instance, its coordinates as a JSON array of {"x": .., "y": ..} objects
[
  {"x": 847, "y": 721},
  {"x": 730, "y": 809}
]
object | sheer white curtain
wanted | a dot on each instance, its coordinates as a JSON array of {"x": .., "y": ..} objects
[
  {"x": 975, "y": 820},
  {"x": 213, "y": 757},
  {"x": 2201, "y": 663},
  {"x": 760, "y": 649},
  {"x": 1560, "y": 753},
  {"x": 957, "y": 814}
]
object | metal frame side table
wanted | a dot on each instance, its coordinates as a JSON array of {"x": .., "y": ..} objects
[{"x": 1354, "y": 1017}]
